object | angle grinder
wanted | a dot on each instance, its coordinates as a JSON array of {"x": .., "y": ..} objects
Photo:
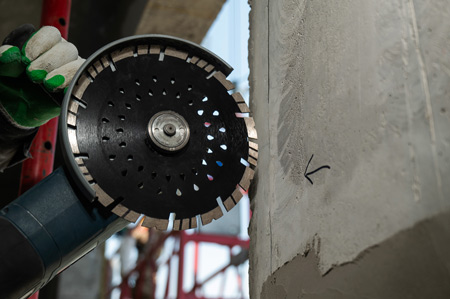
[{"x": 149, "y": 128}]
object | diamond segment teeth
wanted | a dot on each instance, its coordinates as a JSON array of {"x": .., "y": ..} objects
[{"x": 76, "y": 103}]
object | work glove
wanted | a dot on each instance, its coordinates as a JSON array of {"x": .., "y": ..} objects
[{"x": 35, "y": 69}]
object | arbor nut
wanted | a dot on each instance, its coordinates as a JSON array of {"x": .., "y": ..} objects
[{"x": 168, "y": 131}]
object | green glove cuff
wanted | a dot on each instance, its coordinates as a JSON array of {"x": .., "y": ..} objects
[{"x": 27, "y": 104}]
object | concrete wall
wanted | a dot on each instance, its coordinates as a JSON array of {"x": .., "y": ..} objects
[{"x": 364, "y": 86}]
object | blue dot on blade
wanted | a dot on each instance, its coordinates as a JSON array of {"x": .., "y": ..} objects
[{"x": 219, "y": 163}]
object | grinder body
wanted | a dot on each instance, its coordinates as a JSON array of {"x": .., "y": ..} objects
[{"x": 47, "y": 229}]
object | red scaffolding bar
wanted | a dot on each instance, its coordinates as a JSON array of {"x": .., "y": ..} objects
[
  {"x": 182, "y": 239},
  {"x": 54, "y": 13}
]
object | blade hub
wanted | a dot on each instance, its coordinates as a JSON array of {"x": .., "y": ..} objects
[{"x": 168, "y": 131}]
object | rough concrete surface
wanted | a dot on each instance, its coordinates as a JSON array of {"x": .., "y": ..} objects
[
  {"x": 387, "y": 270},
  {"x": 364, "y": 86}
]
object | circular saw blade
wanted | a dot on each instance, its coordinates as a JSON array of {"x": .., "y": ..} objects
[{"x": 107, "y": 124}]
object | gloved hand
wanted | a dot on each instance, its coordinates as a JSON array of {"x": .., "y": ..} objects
[{"x": 35, "y": 69}]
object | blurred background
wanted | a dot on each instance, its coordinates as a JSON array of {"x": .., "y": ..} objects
[{"x": 207, "y": 262}]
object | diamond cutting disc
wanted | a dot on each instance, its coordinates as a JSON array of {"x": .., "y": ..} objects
[{"x": 150, "y": 127}]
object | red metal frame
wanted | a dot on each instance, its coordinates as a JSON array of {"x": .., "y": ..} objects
[
  {"x": 183, "y": 238},
  {"x": 54, "y": 13},
  {"x": 229, "y": 241}
]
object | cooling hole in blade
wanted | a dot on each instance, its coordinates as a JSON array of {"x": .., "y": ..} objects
[
  {"x": 178, "y": 96},
  {"x": 123, "y": 144},
  {"x": 83, "y": 156},
  {"x": 121, "y": 117},
  {"x": 210, "y": 177},
  {"x": 164, "y": 92},
  {"x": 211, "y": 75},
  {"x": 196, "y": 188},
  {"x": 121, "y": 90},
  {"x": 178, "y": 193},
  {"x": 112, "y": 157},
  {"x": 205, "y": 99},
  {"x": 138, "y": 98},
  {"x": 182, "y": 176},
  {"x": 172, "y": 80},
  {"x": 207, "y": 124},
  {"x": 82, "y": 103},
  {"x": 110, "y": 104},
  {"x": 222, "y": 130},
  {"x": 154, "y": 175},
  {"x": 159, "y": 191},
  {"x": 155, "y": 79},
  {"x": 194, "y": 171},
  {"x": 209, "y": 151},
  {"x": 119, "y": 130},
  {"x": 242, "y": 115},
  {"x": 244, "y": 162},
  {"x": 150, "y": 92},
  {"x": 105, "y": 120},
  {"x": 204, "y": 162},
  {"x": 220, "y": 203},
  {"x": 189, "y": 87},
  {"x": 216, "y": 113},
  {"x": 128, "y": 106},
  {"x": 140, "y": 185},
  {"x": 105, "y": 138},
  {"x": 168, "y": 177},
  {"x": 200, "y": 112},
  {"x": 191, "y": 102},
  {"x": 210, "y": 137},
  {"x": 124, "y": 172},
  {"x": 140, "y": 168},
  {"x": 137, "y": 82},
  {"x": 130, "y": 158},
  {"x": 224, "y": 147}
]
